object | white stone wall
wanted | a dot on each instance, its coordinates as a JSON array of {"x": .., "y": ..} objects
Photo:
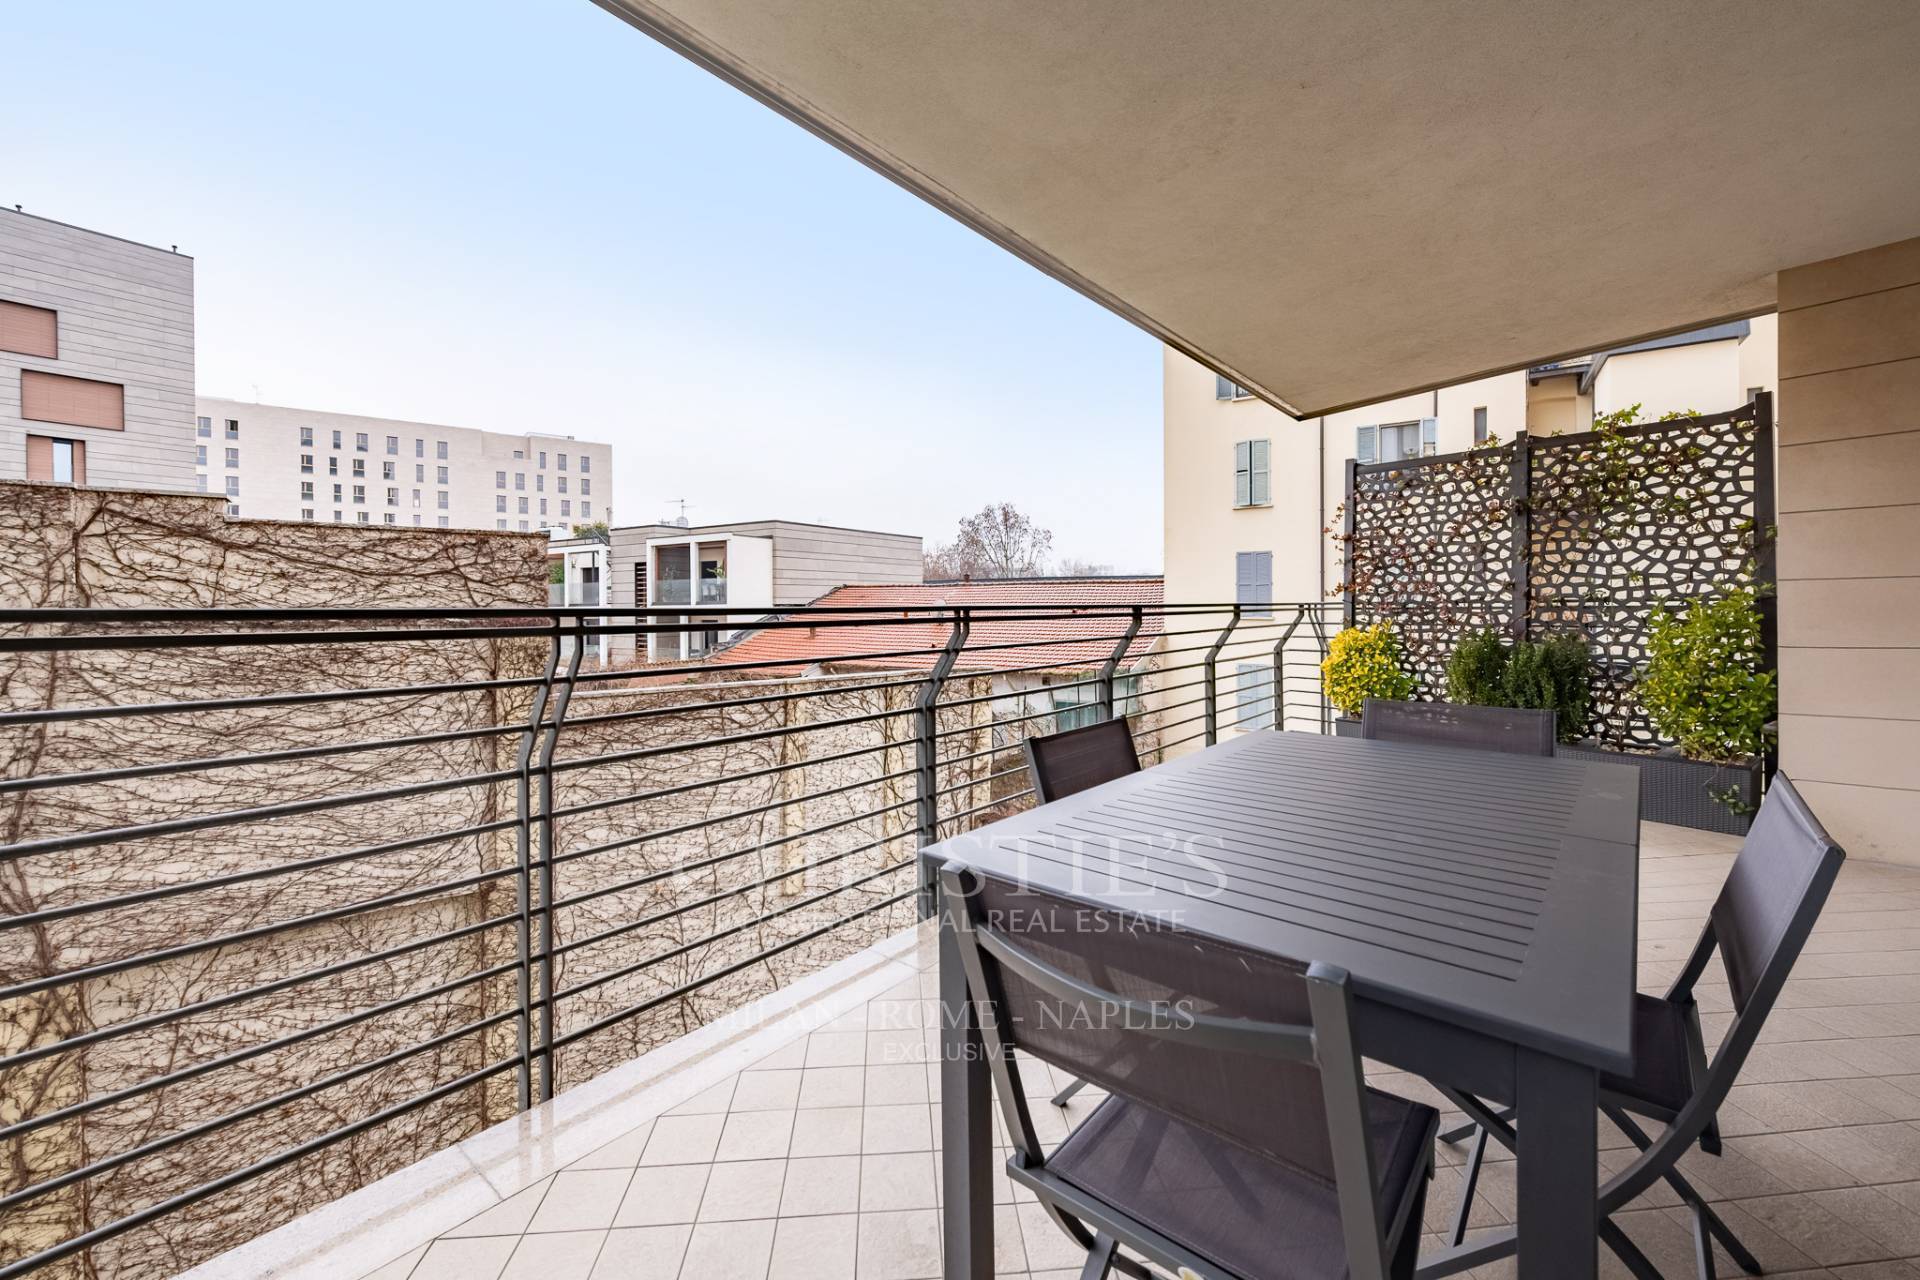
[{"x": 125, "y": 315}]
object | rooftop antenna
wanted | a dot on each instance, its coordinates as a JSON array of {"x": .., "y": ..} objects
[{"x": 682, "y": 519}]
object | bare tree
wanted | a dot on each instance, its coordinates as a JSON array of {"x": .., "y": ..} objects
[
  {"x": 1000, "y": 541},
  {"x": 1072, "y": 568}
]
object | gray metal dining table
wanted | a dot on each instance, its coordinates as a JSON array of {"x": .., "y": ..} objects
[{"x": 1484, "y": 904}]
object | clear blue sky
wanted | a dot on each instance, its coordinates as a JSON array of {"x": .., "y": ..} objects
[{"x": 528, "y": 215}]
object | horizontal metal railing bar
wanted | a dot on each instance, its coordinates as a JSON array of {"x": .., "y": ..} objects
[
  {"x": 1003, "y": 720},
  {"x": 991, "y": 804},
  {"x": 1018, "y": 693},
  {"x": 149, "y": 1021},
  {"x": 550, "y": 612},
  {"x": 713, "y": 859},
  {"x": 239, "y": 817},
  {"x": 736, "y": 815},
  {"x": 682, "y": 788},
  {"x": 107, "y": 968},
  {"x": 981, "y": 781},
  {"x": 107, "y": 1164},
  {"x": 723, "y": 704},
  {"x": 158, "y": 892},
  {"x": 725, "y": 740},
  {"x": 173, "y": 1204},
  {"x": 74, "y": 1110},
  {"x": 627, "y": 970},
  {"x": 619, "y": 930},
  {"x": 107, "y": 711},
  {"x": 950, "y": 761},
  {"x": 687, "y": 988}
]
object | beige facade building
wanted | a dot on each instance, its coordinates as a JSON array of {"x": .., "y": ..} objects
[
  {"x": 96, "y": 358},
  {"x": 1251, "y": 493},
  {"x": 280, "y": 463}
]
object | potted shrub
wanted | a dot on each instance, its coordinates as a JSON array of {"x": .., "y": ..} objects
[
  {"x": 1362, "y": 663},
  {"x": 1706, "y": 686},
  {"x": 1547, "y": 675}
]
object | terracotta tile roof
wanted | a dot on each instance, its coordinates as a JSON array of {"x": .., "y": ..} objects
[{"x": 1074, "y": 642}]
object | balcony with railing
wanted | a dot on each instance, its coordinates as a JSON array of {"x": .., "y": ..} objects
[
  {"x": 363, "y": 943},
  {"x": 713, "y": 591},
  {"x": 671, "y": 591}
]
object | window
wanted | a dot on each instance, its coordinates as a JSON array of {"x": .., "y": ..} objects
[
  {"x": 336, "y": 439},
  {"x": 519, "y": 479},
  {"x": 519, "y": 453},
  {"x": 199, "y": 455},
  {"x": 1227, "y": 389},
  {"x": 1253, "y": 581},
  {"x": 306, "y": 513},
  {"x": 543, "y": 506},
  {"x": 233, "y": 428},
  {"x": 500, "y": 524},
  {"x": 540, "y": 482},
  {"x": 393, "y": 445},
  {"x": 1251, "y": 486},
  {"x": 336, "y": 493},
  {"x": 499, "y": 479},
  {"x": 337, "y": 517},
  {"x": 566, "y": 507},
  {"x": 393, "y": 497},
  {"x": 441, "y": 521},
  {"x": 306, "y": 464},
  {"x": 233, "y": 457},
  {"x": 29, "y": 331},
  {"x": 1253, "y": 695},
  {"x": 386, "y": 471},
  {"x": 1396, "y": 441},
  {"x": 543, "y": 458},
  {"x": 360, "y": 468},
  {"x": 233, "y": 508},
  {"x": 233, "y": 486},
  {"x": 364, "y": 518},
  {"x": 391, "y": 518},
  {"x": 499, "y": 502},
  {"x": 440, "y": 500},
  {"x": 419, "y": 447},
  {"x": 52, "y": 460},
  {"x": 360, "y": 493},
  {"x": 560, "y": 460},
  {"x": 306, "y": 491},
  {"x": 523, "y": 526},
  {"x": 306, "y": 437},
  {"x": 440, "y": 476},
  {"x": 585, "y": 466},
  {"x": 416, "y": 522},
  {"x": 416, "y": 497},
  {"x": 419, "y": 473},
  {"x": 333, "y": 465},
  {"x": 586, "y": 485},
  {"x": 77, "y": 402},
  {"x": 523, "y": 506},
  {"x": 1480, "y": 424},
  {"x": 360, "y": 441},
  {"x": 1075, "y": 707},
  {"x": 586, "y": 511},
  {"x": 440, "y": 448},
  {"x": 561, "y": 484},
  {"x": 204, "y": 429},
  {"x": 202, "y": 480}
]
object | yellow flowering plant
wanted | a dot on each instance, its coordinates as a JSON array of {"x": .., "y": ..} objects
[{"x": 1362, "y": 663}]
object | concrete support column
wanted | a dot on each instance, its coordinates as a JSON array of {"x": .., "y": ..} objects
[{"x": 1849, "y": 433}]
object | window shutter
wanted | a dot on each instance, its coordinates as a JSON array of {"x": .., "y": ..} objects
[
  {"x": 1263, "y": 576},
  {"x": 1242, "y": 474},
  {"x": 1243, "y": 577},
  {"x": 1429, "y": 436},
  {"x": 1261, "y": 492},
  {"x": 1366, "y": 444}
]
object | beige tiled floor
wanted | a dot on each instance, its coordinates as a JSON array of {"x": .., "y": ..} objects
[{"x": 818, "y": 1161}]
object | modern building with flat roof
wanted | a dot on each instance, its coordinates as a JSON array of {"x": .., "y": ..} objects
[
  {"x": 96, "y": 358},
  {"x": 283, "y": 463}
]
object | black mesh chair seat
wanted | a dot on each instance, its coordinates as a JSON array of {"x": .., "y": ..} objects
[
  {"x": 1250, "y": 1214},
  {"x": 1661, "y": 1075}
]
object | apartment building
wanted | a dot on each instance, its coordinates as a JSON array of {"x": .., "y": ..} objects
[
  {"x": 275, "y": 462},
  {"x": 1250, "y": 492},
  {"x": 760, "y": 565},
  {"x": 96, "y": 358}
]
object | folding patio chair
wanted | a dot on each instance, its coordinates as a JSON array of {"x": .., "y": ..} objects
[
  {"x": 1759, "y": 924},
  {"x": 1073, "y": 760},
  {"x": 1513, "y": 730},
  {"x": 1238, "y": 1138}
]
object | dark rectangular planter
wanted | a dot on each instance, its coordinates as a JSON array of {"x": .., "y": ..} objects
[
  {"x": 1686, "y": 792},
  {"x": 1346, "y": 727}
]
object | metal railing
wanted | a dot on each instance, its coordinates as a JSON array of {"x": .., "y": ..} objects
[
  {"x": 713, "y": 591},
  {"x": 294, "y": 897},
  {"x": 673, "y": 590}
]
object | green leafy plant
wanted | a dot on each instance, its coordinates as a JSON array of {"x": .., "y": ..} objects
[
  {"x": 1551, "y": 675},
  {"x": 1477, "y": 670},
  {"x": 1705, "y": 685},
  {"x": 1362, "y": 663}
]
